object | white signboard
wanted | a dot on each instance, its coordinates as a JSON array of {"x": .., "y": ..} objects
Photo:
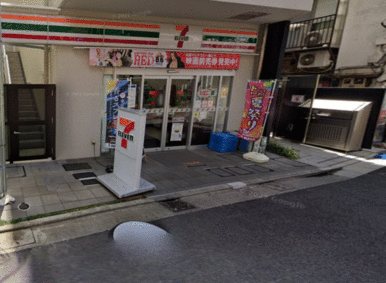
[
  {"x": 126, "y": 179},
  {"x": 131, "y": 97}
]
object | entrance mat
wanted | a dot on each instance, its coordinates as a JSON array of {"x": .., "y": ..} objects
[
  {"x": 76, "y": 166},
  {"x": 15, "y": 172},
  {"x": 258, "y": 168},
  {"x": 84, "y": 175},
  {"x": 238, "y": 170},
  {"x": 90, "y": 182},
  {"x": 177, "y": 205},
  {"x": 220, "y": 172}
]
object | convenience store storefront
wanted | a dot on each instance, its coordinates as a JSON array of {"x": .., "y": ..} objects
[{"x": 212, "y": 99}]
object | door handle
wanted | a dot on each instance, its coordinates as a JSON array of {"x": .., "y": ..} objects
[{"x": 16, "y": 133}]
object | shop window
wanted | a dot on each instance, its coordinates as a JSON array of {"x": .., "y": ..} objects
[
  {"x": 204, "y": 109},
  {"x": 223, "y": 104}
]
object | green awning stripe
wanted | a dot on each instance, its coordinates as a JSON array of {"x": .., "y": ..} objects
[
  {"x": 78, "y": 30},
  {"x": 133, "y": 33},
  {"x": 81, "y": 30},
  {"x": 24, "y": 27}
]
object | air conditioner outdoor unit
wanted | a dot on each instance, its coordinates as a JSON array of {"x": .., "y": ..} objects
[{"x": 315, "y": 59}]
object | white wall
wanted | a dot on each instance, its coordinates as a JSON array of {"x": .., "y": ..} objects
[
  {"x": 78, "y": 103},
  {"x": 238, "y": 92},
  {"x": 325, "y": 8},
  {"x": 33, "y": 64},
  {"x": 362, "y": 28}
]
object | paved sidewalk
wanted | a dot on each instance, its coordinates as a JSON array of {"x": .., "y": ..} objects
[{"x": 188, "y": 175}]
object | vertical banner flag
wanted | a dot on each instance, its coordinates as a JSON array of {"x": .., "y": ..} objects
[
  {"x": 257, "y": 101},
  {"x": 117, "y": 96}
]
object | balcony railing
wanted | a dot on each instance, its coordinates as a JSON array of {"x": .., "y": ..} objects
[{"x": 312, "y": 33}]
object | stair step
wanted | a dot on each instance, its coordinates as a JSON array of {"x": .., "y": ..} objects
[
  {"x": 31, "y": 128},
  {"x": 31, "y": 136},
  {"x": 29, "y": 144},
  {"x": 32, "y": 152},
  {"x": 27, "y": 108},
  {"x": 28, "y": 114}
]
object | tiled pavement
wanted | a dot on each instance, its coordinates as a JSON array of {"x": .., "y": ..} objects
[{"x": 47, "y": 187}]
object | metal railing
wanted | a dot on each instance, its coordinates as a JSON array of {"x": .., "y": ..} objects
[
  {"x": 316, "y": 32},
  {"x": 7, "y": 72}
]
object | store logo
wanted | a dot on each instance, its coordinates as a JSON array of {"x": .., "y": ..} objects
[
  {"x": 125, "y": 135},
  {"x": 182, "y": 37}
]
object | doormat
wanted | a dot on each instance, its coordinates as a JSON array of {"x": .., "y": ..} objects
[
  {"x": 83, "y": 175},
  {"x": 177, "y": 205},
  {"x": 193, "y": 164},
  {"x": 76, "y": 166},
  {"x": 90, "y": 182},
  {"x": 15, "y": 172},
  {"x": 258, "y": 168},
  {"x": 220, "y": 172},
  {"x": 238, "y": 170}
]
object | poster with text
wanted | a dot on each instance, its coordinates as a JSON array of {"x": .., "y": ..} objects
[
  {"x": 117, "y": 96},
  {"x": 176, "y": 134},
  {"x": 257, "y": 100},
  {"x": 105, "y": 57}
]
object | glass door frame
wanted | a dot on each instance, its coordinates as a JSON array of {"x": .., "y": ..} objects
[{"x": 166, "y": 108}]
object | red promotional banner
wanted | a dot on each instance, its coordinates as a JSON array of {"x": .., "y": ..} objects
[
  {"x": 200, "y": 60},
  {"x": 163, "y": 59},
  {"x": 256, "y": 106}
]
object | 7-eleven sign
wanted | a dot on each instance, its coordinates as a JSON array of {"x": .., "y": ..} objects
[{"x": 125, "y": 135}]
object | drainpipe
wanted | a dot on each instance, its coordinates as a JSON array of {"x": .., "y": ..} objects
[{"x": 3, "y": 185}]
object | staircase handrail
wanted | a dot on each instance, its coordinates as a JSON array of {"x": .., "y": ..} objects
[{"x": 6, "y": 68}]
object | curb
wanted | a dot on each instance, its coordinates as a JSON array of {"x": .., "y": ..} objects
[{"x": 197, "y": 191}]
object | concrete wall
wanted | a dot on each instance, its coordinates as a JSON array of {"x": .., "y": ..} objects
[
  {"x": 325, "y": 8},
  {"x": 33, "y": 64},
  {"x": 362, "y": 28},
  {"x": 238, "y": 92},
  {"x": 78, "y": 103}
]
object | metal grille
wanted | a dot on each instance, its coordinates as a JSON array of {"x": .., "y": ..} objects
[
  {"x": 311, "y": 33},
  {"x": 327, "y": 132}
]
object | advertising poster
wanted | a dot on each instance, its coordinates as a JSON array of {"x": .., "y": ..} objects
[
  {"x": 117, "y": 96},
  {"x": 257, "y": 101},
  {"x": 108, "y": 57},
  {"x": 176, "y": 134},
  {"x": 105, "y": 57}
]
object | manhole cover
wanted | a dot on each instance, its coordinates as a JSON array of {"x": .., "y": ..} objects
[
  {"x": 89, "y": 182},
  {"x": 23, "y": 206},
  {"x": 177, "y": 205}
]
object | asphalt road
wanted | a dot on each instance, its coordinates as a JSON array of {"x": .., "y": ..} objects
[{"x": 330, "y": 233}]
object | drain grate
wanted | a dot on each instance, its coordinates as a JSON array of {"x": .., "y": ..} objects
[
  {"x": 76, "y": 166},
  {"x": 177, "y": 205},
  {"x": 23, "y": 206},
  {"x": 238, "y": 170},
  {"x": 258, "y": 168},
  {"x": 84, "y": 175},
  {"x": 90, "y": 182},
  {"x": 220, "y": 172}
]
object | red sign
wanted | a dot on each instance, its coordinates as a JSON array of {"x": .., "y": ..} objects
[
  {"x": 201, "y": 60},
  {"x": 129, "y": 126},
  {"x": 171, "y": 59}
]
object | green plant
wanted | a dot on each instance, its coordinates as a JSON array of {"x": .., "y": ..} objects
[{"x": 279, "y": 149}]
